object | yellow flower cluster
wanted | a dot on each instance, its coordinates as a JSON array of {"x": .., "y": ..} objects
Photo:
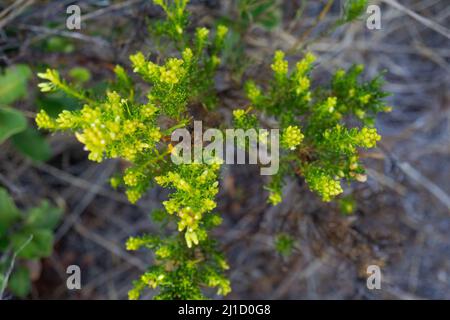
[
  {"x": 43, "y": 120},
  {"x": 53, "y": 78},
  {"x": 152, "y": 279},
  {"x": 325, "y": 185},
  {"x": 196, "y": 186},
  {"x": 134, "y": 243},
  {"x": 172, "y": 71},
  {"x": 301, "y": 76},
  {"x": 330, "y": 104},
  {"x": 303, "y": 85},
  {"x": 304, "y": 65},
  {"x": 279, "y": 65},
  {"x": 221, "y": 32},
  {"x": 216, "y": 280},
  {"x": 330, "y": 188},
  {"x": 347, "y": 140},
  {"x": 368, "y": 137},
  {"x": 201, "y": 36},
  {"x": 275, "y": 198},
  {"x": 112, "y": 129},
  {"x": 253, "y": 91},
  {"x": 238, "y": 114},
  {"x": 291, "y": 137}
]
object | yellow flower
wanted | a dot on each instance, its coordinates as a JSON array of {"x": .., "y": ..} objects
[
  {"x": 279, "y": 65},
  {"x": 191, "y": 238},
  {"x": 202, "y": 34},
  {"x": 253, "y": 92},
  {"x": 66, "y": 120},
  {"x": 330, "y": 103},
  {"x": 304, "y": 65},
  {"x": 130, "y": 178},
  {"x": 303, "y": 85},
  {"x": 275, "y": 198},
  {"x": 239, "y": 113},
  {"x": 133, "y": 195},
  {"x": 368, "y": 137},
  {"x": 187, "y": 55},
  {"x": 221, "y": 31},
  {"x": 292, "y": 137},
  {"x": 44, "y": 121}
]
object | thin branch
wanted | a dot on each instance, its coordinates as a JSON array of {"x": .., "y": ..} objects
[
  {"x": 11, "y": 265},
  {"x": 425, "y": 21}
]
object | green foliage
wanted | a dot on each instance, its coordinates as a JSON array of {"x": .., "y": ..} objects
[
  {"x": 266, "y": 13},
  {"x": 13, "y": 86},
  {"x": 19, "y": 282},
  {"x": 121, "y": 126},
  {"x": 243, "y": 119},
  {"x": 195, "y": 188},
  {"x": 319, "y": 144},
  {"x": 180, "y": 273},
  {"x": 24, "y": 235},
  {"x": 32, "y": 144},
  {"x": 54, "y": 103},
  {"x": 353, "y": 9},
  {"x": 284, "y": 244},
  {"x": 317, "y": 141},
  {"x": 13, "y": 124},
  {"x": 58, "y": 44},
  {"x": 347, "y": 205},
  {"x": 80, "y": 74},
  {"x": 176, "y": 18},
  {"x": 9, "y": 212},
  {"x": 13, "y": 83}
]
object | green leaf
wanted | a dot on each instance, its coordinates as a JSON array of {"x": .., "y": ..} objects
[
  {"x": 284, "y": 244},
  {"x": 55, "y": 103},
  {"x": 43, "y": 217},
  {"x": 8, "y": 211},
  {"x": 2, "y": 279},
  {"x": 11, "y": 122},
  {"x": 20, "y": 282},
  {"x": 59, "y": 44},
  {"x": 80, "y": 74},
  {"x": 39, "y": 247},
  {"x": 13, "y": 83},
  {"x": 32, "y": 144},
  {"x": 353, "y": 9}
]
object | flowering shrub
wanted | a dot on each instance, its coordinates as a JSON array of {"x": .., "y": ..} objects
[{"x": 317, "y": 143}]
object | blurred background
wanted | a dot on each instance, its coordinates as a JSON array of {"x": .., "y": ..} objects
[{"x": 402, "y": 217}]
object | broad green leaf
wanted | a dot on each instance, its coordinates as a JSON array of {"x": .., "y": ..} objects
[
  {"x": 8, "y": 211},
  {"x": 11, "y": 123},
  {"x": 80, "y": 74},
  {"x": 13, "y": 83},
  {"x": 43, "y": 217},
  {"x": 59, "y": 44},
  {"x": 19, "y": 282},
  {"x": 32, "y": 144},
  {"x": 55, "y": 103},
  {"x": 39, "y": 247}
]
